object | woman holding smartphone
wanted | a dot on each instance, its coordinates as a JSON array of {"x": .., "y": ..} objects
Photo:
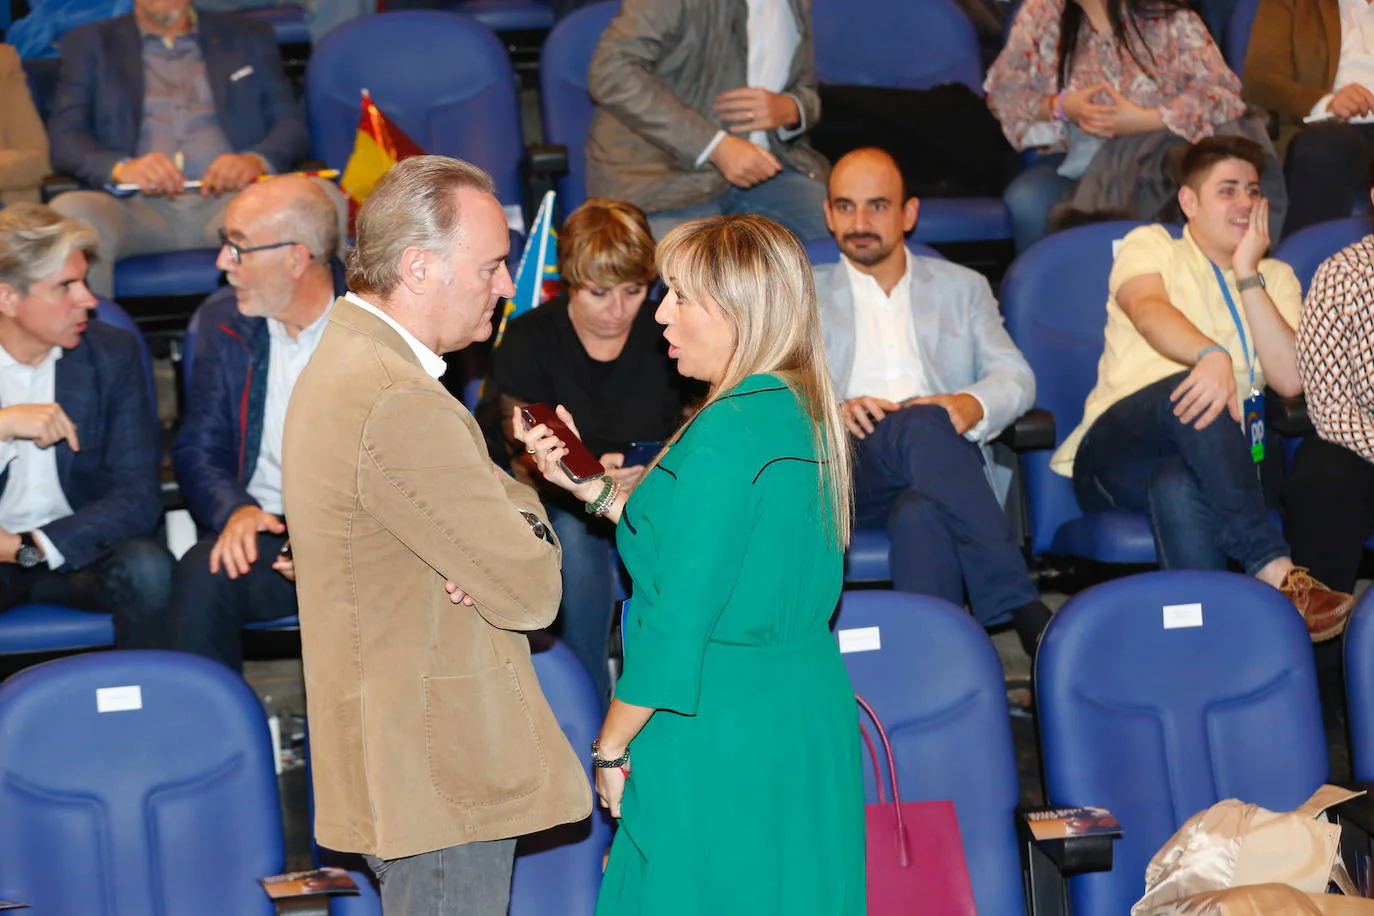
[
  {"x": 596, "y": 350},
  {"x": 731, "y": 749}
]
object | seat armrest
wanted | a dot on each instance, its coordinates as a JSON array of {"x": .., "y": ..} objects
[
  {"x": 53, "y": 185},
  {"x": 547, "y": 158},
  {"x": 1049, "y": 862},
  {"x": 1033, "y": 431},
  {"x": 1288, "y": 416}
]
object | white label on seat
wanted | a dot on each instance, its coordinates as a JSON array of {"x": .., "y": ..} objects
[
  {"x": 118, "y": 699},
  {"x": 1177, "y": 616},
  {"x": 861, "y": 639}
]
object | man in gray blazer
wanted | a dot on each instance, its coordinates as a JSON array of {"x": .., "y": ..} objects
[
  {"x": 702, "y": 108},
  {"x": 929, "y": 376}
]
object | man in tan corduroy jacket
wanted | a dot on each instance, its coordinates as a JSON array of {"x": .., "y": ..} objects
[{"x": 432, "y": 745}]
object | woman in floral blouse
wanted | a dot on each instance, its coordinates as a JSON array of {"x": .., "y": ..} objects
[{"x": 1075, "y": 73}]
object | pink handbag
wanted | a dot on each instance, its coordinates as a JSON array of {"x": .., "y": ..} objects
[{"x": 915, "y": 853}]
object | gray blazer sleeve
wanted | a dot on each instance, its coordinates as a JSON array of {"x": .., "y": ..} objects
[
  {"x": 1005, "y": 385},
  {"x": 802, "y": 86},
  {"x": 621, "y": 79}
]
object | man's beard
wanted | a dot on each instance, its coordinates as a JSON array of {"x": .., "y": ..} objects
[{"x": 866, "y": 258}]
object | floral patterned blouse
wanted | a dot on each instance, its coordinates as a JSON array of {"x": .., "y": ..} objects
[{"x": 1186, "y": 79}]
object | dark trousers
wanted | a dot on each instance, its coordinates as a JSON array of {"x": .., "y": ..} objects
[
  {"x": 208, "y": 610},
  {"x": 132, "y": 582},
  {"x": 1328, "y": 511},
  {"x": 1200, "y": 487},
  {"x": 1328, "y": 172},
  {"x": 924, "y": 483}
]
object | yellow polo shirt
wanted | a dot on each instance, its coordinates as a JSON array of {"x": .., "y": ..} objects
[{"x": 1129, "y": 363}]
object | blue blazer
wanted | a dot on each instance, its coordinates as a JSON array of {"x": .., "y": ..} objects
[
  {"x": 216, "y": 450},
  {"x": 98, "y": 105},
  {"x": 964, "y": 345},
  {"x": 112, "y": 483}
]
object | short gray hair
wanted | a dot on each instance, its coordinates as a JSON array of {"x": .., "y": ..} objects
[
  {"x": 412, "y": 206},
  {"x": 35, "y": 241},
  {"x": 310, "y": 218}
]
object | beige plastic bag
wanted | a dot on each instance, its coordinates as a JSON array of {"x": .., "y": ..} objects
[{"x": 1234, "y": 859}]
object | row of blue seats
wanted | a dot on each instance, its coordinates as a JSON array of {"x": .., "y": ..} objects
[{"x": 161, "y": 797}]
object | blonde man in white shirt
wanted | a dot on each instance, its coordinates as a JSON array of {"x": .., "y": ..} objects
[
  {"x": 1311, "y": 63},
  {"x": 79, "y": 447},
  {"x": 255, "y": 338},
  {"x": 917, "y": 348}
]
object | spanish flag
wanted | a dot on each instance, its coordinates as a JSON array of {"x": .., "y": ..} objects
[{"x": 379, "y": 145}]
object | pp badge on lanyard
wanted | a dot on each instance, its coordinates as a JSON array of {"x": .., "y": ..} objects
[{"x": 1253, "y": 406}]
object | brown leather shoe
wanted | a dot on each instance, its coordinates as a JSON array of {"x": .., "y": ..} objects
[{"x": 1324, "y": 610}]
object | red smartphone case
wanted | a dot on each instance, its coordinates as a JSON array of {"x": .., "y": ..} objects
[{"x": 579, "y": 464}]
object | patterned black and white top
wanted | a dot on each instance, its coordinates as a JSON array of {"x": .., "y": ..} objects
[{"x": 1336, "y": 348}]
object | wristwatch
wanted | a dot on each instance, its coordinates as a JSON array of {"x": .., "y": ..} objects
[
  {"x": 1250, "y": 282},
  {"x": 29, "y": 553}
]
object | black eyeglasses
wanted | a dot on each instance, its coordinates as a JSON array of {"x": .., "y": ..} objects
[{"x": 238, "y": 251}]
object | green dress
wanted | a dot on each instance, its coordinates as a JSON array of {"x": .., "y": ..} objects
[{"x": 746, "y": 797}]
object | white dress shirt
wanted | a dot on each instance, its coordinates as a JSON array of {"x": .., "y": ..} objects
[
  {"x": 286, "y": 359},
  {"x": 773, "y": 38},
  {"x": 430, "y": 361},
  {"x": 887, "y": 358},
  {"x": 33, "y": 494},
  {"x": 1357, "y": 56}
]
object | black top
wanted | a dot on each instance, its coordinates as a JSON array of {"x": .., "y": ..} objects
[{"x": 636, "y": 397}]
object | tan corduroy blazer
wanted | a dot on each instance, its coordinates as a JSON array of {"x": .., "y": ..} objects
[
  {"x": 427, "y": 725},
  {"x": 1295, "y": 46},
  {"x": 23, "y": 141}
]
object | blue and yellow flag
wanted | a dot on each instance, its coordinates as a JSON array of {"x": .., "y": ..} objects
[{"x": 537, "y": 279}]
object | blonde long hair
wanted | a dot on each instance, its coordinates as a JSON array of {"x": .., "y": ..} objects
[{"x": 759, "y": 275}]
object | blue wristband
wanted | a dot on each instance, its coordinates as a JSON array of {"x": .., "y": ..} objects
[{"x": 1214, "y": 348}]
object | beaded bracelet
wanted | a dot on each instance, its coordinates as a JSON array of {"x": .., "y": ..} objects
[{"x": 609, "y": 491}]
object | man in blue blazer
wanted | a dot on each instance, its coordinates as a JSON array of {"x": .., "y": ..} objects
[
  {"x": 254, "y": 338},
  {"x": 159, "y": 97},
  {"x": 928, "y": 378},
  {"x": 79, "y": 455}
]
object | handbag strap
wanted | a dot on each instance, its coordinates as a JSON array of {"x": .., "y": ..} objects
[
  {"x": 877, "y": 770},
  {"x": 892, "y": 776}
]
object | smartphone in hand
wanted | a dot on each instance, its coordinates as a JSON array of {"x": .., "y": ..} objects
[
  {"x": 579, "y": 464},
  {"x": 640, "y": 453}
]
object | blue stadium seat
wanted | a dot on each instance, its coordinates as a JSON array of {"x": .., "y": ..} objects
[
  {"x": 923, "y": 43},
  {"x": 938, "y": 687},
  {"x": 134, "y": 783},
  {"x": 436, "y": 75},
  {"x": 31, "y": 628},
  {"x": 287, "y": 21},
  {"x": 1305, "y": 249},
  {"x": 1054, "y": 298},
  {"x": 566, "y": 107},
  {"x": 559, "y": 870},
  {"x": 167, "y": 273},
  {"x": 867, "y": 557},
  {"x": 1236, "y": 41},
  {"x": 507, "y": 15},
  {"x": 112, "y": 314},
  {"x": 1158, "y": 723},
  {"x": 1359, "y": 686}
]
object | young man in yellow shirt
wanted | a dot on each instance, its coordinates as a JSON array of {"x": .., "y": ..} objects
[{"x": 1196, "y": 329}]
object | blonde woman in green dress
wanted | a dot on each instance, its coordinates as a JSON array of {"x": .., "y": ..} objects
[{"x": 730, "y": 754}]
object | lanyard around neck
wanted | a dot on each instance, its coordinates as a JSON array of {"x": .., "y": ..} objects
[{"x": 1240, "y": 326}]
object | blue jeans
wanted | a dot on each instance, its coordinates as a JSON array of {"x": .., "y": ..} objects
[
  {"x": 1030, "y": 196},
  {"x": 588, "y": 591},
  {"x": 131, "y": 583},
  {"x": 923, "y": 482},
  {"x": 789, "y": 198},
  {"x": 1200, "y": 488},
  {"x": 208, "y": 610}
]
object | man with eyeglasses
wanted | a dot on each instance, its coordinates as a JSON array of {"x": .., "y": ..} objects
[{"x": 255, "y": 337}]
